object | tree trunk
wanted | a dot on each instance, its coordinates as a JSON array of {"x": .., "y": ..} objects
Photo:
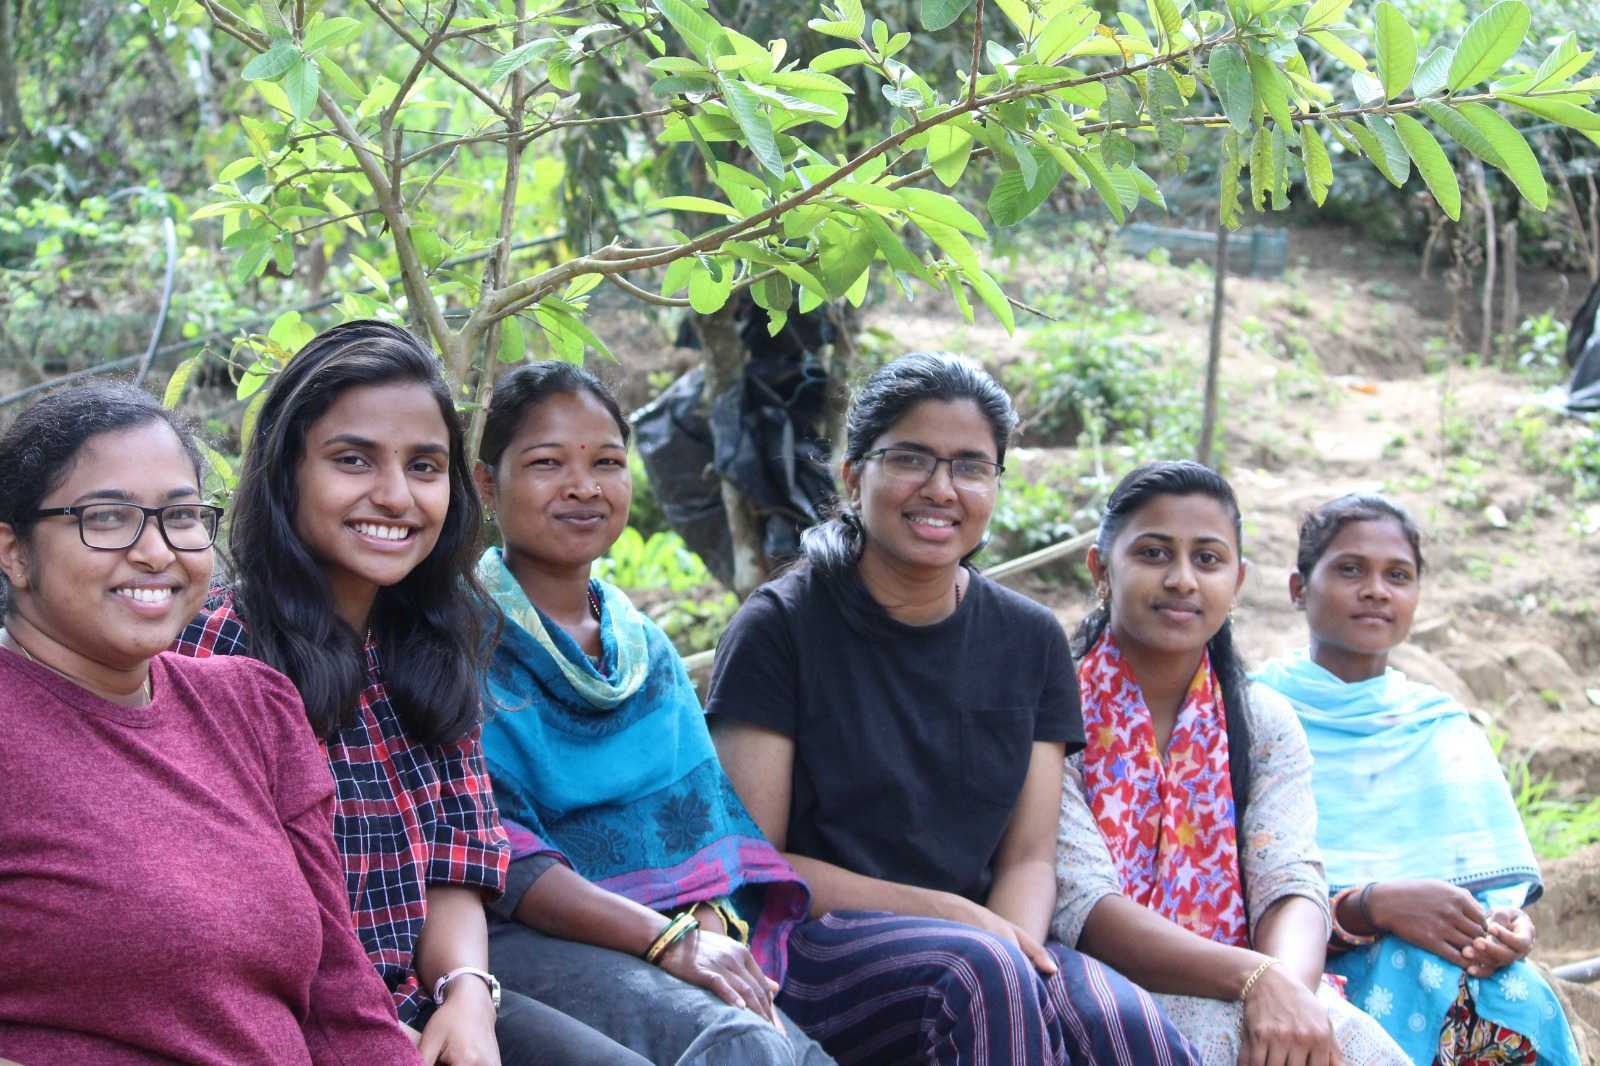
[
  {"x": 724, "y": 359},
  {"x": 11, "y": 124},
  {"x": 1486, "y": 330},
  {"x": 1510, "y": 302},
  {"x": 1208, "y": 420}
]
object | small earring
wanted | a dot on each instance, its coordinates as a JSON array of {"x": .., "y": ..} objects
[{"x": 1102, "y": 596}]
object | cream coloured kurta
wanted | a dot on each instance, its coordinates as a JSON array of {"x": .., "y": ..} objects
[{"x": 1278, "y": 850}]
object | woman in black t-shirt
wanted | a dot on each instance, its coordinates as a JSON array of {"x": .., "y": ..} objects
[{"x": 897, "y": 725}]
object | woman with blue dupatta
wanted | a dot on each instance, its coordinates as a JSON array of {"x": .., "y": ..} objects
[
  {"x": 1424, "y": 849},
  {"x": 642, "y": 898}
]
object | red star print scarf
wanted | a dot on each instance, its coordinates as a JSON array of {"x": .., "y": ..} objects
[{"x": 1168, "y": 824}]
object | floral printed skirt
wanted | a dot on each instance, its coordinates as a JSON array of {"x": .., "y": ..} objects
[{"x": 1470, "y": 1040}]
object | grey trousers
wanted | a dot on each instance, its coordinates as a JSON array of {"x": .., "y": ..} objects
[{"x": 641, "y": 1007}]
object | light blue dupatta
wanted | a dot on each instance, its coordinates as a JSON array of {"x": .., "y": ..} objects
[
  {"x": 1406, "y": 783},
  {"x": 1407, "y": 787}
]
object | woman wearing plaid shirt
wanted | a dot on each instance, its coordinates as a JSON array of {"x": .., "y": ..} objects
[{"x": 354, "y": 536}]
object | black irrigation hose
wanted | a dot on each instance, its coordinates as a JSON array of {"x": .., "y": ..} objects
[{"x": 153, "y": 353}]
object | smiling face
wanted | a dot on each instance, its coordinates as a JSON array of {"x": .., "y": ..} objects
[
  {"x": 933, "y": 523},
  {"x": 561, "y": 489},
  {"x": 89, "y": 612},
  {"x": 1360, "y": 597},
  {"x": 1171, "y": 575},
  {"x": 372, "y": 490}
]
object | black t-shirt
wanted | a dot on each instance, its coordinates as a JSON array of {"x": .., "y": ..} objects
[{"x": 911, "y": 743}]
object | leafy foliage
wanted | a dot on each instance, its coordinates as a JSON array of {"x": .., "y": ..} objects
[{"x": 394, "y": 151}]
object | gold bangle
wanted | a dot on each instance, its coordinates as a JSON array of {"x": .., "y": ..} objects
[
  {"x": 1250, "y": 982},
  {"x": 676, "y": 930}
]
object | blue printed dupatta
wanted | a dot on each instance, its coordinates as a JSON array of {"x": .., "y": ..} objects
[
  {"x": 611, "y": 769},
  {"x": 1407, "y": 786}
]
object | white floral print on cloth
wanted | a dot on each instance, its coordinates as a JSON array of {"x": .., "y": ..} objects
[
  {"x": 1422, "y": 1000},
  {"x": 1278, "y": 850}
]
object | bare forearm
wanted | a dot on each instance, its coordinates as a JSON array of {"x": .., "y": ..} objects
[
  {"x": 1292, "y": 931},
  {"x": 564, "y": 904},
  {"x": 833, "y": 888},
  {"x": 1162, "y": 956},
  {"x": 1025, "y": 895},
  {"x": 454, "y": 934}
]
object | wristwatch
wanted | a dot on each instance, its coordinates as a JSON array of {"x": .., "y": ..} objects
[{"x": 485, "y": 976}]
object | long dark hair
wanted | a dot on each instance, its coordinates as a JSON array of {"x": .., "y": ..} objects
[
  {"x": 1323, "y": 524},
  {"x": 1183, "y": 478},
  {"x": 428, "y": 627},
  {"x": 39, "y": 448},
  {"x": 887, "y": 396},
  {"x": 525, "y": 388}
]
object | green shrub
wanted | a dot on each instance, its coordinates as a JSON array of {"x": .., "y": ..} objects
[{"x": 660, "y": 562}]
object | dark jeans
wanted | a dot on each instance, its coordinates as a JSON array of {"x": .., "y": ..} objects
[{"x": 533, "y": 1034}]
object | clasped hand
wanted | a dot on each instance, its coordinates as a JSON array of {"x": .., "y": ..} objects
[{"x": 1451, "y": 923}]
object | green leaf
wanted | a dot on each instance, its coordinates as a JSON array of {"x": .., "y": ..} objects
[
  {"x": 1380, "y": 145},
  {"x": 1433, "y": 71},
  {"x": 1065, "y": 31},
  {"x": 1517, "y": 159},
  {"x": 937, "y": 14},
  {"x": 179, "y": 381},
  {"x": 1147, "y": 187},
  {"x": 513, "y": 341},
  {"x": 676, "y": 276},
  {"x": 802, "y": 277},
  {"x": 893, "y": 249},
  {"x": 1570, "y": 115},
  {"x": 708, "y": 291},
  {"x": 1490, "y": 40},
  {"x": 520, "y": 57},
  {"x": 1319, "y": 169},
  {"x": 1335, "y": 46},
  {"x": 942, "y": 208},
  {"x": 1465, "y": 133},
  {"x": 993, "y": 298},
  {"x": 753, "y": 123},
  {"x": 949, "y": 149},
  {"x": 851, "y": 23},
  {"x": 332, "y": 33},
  {"x": 1100, "y": 181},
  {"x": 251, "y": 262},
  {"x": 695, "y": 203},
  {"x": 301, "y": 83},
  {"x": 1230, "y": 74},
  {"x": 290, "y": 332},
  {"x": 845, "y": 253},
  {"x": 837, "y": 58},
  {"x": 238, "y": 169},
  {"x": 1260, "y": 168},
  {"x": 870, "y": 195},
  {"x": 1559, "y": 65},
  {"x": 697, "y": 28},
  {"x": 950, "y": 241},
  {"x": 335, "y": 75},
  {"x": 1397, "y": 50},
  {"x": 1013, "y": 200},
  {"x": 270, "y": 65},
  {"x": 219, "y": 463},
  {"x": 1272, "y": 89},
  {"x": 1432, "y": 164},
  {"x": 1228, "y": 212},
  {"x": 370, "y": 272}
]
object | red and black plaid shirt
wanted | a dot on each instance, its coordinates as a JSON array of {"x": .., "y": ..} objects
[{"x": 407, "y": 816}]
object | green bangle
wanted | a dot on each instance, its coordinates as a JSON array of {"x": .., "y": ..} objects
[{"x": 676, "y": 930}]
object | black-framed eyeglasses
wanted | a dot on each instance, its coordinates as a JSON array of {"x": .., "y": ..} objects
[
  {"x": 909, "y": 464},
  {"x": 186, "y": 527}
]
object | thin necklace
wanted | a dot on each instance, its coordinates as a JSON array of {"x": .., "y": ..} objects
[
  {"x": 149, "y": 697},
  {"x": 594, "y": 603},
  {"x": 958, "y": 591}
]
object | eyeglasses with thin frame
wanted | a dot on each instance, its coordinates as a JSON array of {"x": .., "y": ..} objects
[
  {"x": 110, "y": 527},
  {"x": 909, "y": 464}
]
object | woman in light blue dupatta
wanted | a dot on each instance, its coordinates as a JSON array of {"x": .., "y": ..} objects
[
  {"x": 642, "y": 898},
  {"x": 1423, "y": 846}
]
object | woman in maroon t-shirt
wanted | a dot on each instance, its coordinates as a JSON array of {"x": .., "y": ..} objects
[{"x": 169, "y": 889}]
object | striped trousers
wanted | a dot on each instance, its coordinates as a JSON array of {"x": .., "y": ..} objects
[{"x": 884, "y": 989}]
